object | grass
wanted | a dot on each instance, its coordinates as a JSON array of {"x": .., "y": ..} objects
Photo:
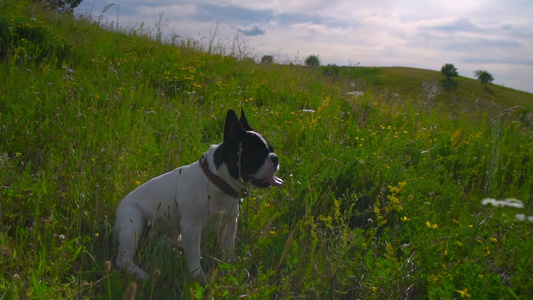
[{"x": 383, "y": 190}]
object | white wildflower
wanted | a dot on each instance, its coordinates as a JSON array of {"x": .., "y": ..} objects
[
  {"x": 522, "y": 217},
  {"x": 356, "y": 93},
  {"x": 510, "y": 202}
]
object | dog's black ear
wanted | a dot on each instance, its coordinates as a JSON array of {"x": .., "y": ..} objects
[
  {"x": 244, "y": 122},
  {"x": 233, "y": 127}
]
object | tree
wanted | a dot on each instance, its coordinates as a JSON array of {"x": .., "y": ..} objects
[
  {"x": 484, "y": 77},
  {"x": 63, "y": 5},
  {"x": 312, "y": 61},
  {"x": 449, "y": 70},
  {"x": 267, "y": 59}
]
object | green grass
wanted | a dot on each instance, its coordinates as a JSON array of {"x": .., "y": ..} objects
[{"x": 382, "y": 195}]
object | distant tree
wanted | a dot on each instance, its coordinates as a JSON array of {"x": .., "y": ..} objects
[
  {"x": 449, "y": 70},
  {"x": 62, "y": 5},
  {"x": 267, "y": 59},
  {"x": 312, "y": 61},
  {"x": 484, "y": 77}
]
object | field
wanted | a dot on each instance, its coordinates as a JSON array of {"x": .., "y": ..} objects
[{"x": 386, "y": 170}]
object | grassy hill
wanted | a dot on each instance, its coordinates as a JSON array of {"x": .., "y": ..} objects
[
  {"x": 407, "y": 81},
  {"x": 384, "y": 189}
]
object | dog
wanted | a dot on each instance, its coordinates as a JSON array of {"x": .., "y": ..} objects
[{"x": 185, "y": 200}]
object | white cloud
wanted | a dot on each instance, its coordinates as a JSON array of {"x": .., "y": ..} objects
[{"x": 169, "y": 11}]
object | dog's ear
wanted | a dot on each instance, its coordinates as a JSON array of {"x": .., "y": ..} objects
[
  {"x": 233, "y": 127},
  {"x": 244, "y": 122}
]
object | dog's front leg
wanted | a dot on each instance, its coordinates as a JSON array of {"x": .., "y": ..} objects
[
  {"x": 190, "y": 237},
  {"x": 227, "y": 233}
]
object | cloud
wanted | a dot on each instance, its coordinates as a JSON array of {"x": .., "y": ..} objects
[
  {"x": 459, "y": 25},
  {"x": 494, "y": 61},
  {"x": 252, "y": 30},
  {"x": 173, "y": 10}
]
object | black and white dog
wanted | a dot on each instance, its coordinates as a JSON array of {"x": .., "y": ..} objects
[{"x": 184, "y": 200}]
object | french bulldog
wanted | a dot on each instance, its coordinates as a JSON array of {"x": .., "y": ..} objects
[{"x": 183, "y": 201}]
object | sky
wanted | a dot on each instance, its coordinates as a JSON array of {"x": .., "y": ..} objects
[{"x": 491, "y": 35}]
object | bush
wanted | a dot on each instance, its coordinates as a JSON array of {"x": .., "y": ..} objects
[
  {"x": 267, "y": 59},
  {"x": 331, "y": 70},
  {"x": 312, "y": 61},
  {"x": 484, "y": 77},
  {"x": 449, "y": 70},
  {"x": 64, "y": 5}
]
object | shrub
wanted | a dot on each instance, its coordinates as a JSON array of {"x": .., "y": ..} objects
[
  {"x": 449, "y": 70},
  {"x": 267, "y": 59},
  {"x": 331, "y": 70},
  {"x": 312, "y": 61},
  {"x": 484, "y": 77}
]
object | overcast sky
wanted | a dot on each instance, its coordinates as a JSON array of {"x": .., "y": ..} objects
[{"x": 491, "y": 35}]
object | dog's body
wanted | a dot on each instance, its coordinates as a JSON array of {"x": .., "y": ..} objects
[{"x": 184, "y": 200}]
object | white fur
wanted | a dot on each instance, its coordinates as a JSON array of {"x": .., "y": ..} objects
[{"x": 181, "y": 201}]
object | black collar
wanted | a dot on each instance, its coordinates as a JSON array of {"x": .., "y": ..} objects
[{"x": 219, "y": 182}]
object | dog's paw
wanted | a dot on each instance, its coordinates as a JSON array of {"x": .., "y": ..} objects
[
  {"x": 140, "y": 274},
  {"x": 230, "y": 258},
  {"x": 200, "y": 276},
  {"x": 133, "y": 270}
]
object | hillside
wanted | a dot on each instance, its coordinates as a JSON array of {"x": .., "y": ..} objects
[
  {"x": 393, "y": 189},
  {"x": 407, "y": 81}
]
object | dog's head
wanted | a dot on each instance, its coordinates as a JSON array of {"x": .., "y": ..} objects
[{"x": 247, "y": 154}]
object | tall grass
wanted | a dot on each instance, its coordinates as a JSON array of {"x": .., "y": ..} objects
[{"x": 382, "y": 198}]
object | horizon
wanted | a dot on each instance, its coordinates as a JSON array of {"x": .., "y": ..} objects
[{"x": 478, "y": 35}]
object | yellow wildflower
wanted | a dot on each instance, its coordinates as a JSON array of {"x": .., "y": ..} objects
[
  {"x": 464, "y": 293},
  {"x": 432, "y": 226}
]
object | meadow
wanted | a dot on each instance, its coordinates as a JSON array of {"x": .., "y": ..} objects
[{"x": 387, "y": 173}]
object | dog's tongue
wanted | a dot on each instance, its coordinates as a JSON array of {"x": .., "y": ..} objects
[{"x": 274, "y": 180}]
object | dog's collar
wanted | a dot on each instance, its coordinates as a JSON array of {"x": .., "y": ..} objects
[{"x": 219, "y": 182}]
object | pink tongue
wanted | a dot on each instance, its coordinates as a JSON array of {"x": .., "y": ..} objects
[{"x": 274, "y": 180}]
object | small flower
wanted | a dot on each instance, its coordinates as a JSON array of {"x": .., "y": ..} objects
[
  {"x": 522, "y": 217},
  {"x": 137, "y": 182},
  {"x": 464, "y": 293},
  {"x": 510, "y": 202},
  {"x": 431, "y": 226}
]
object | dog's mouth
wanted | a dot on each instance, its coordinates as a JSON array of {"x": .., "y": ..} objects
[{"x": 267, "y": 182}]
